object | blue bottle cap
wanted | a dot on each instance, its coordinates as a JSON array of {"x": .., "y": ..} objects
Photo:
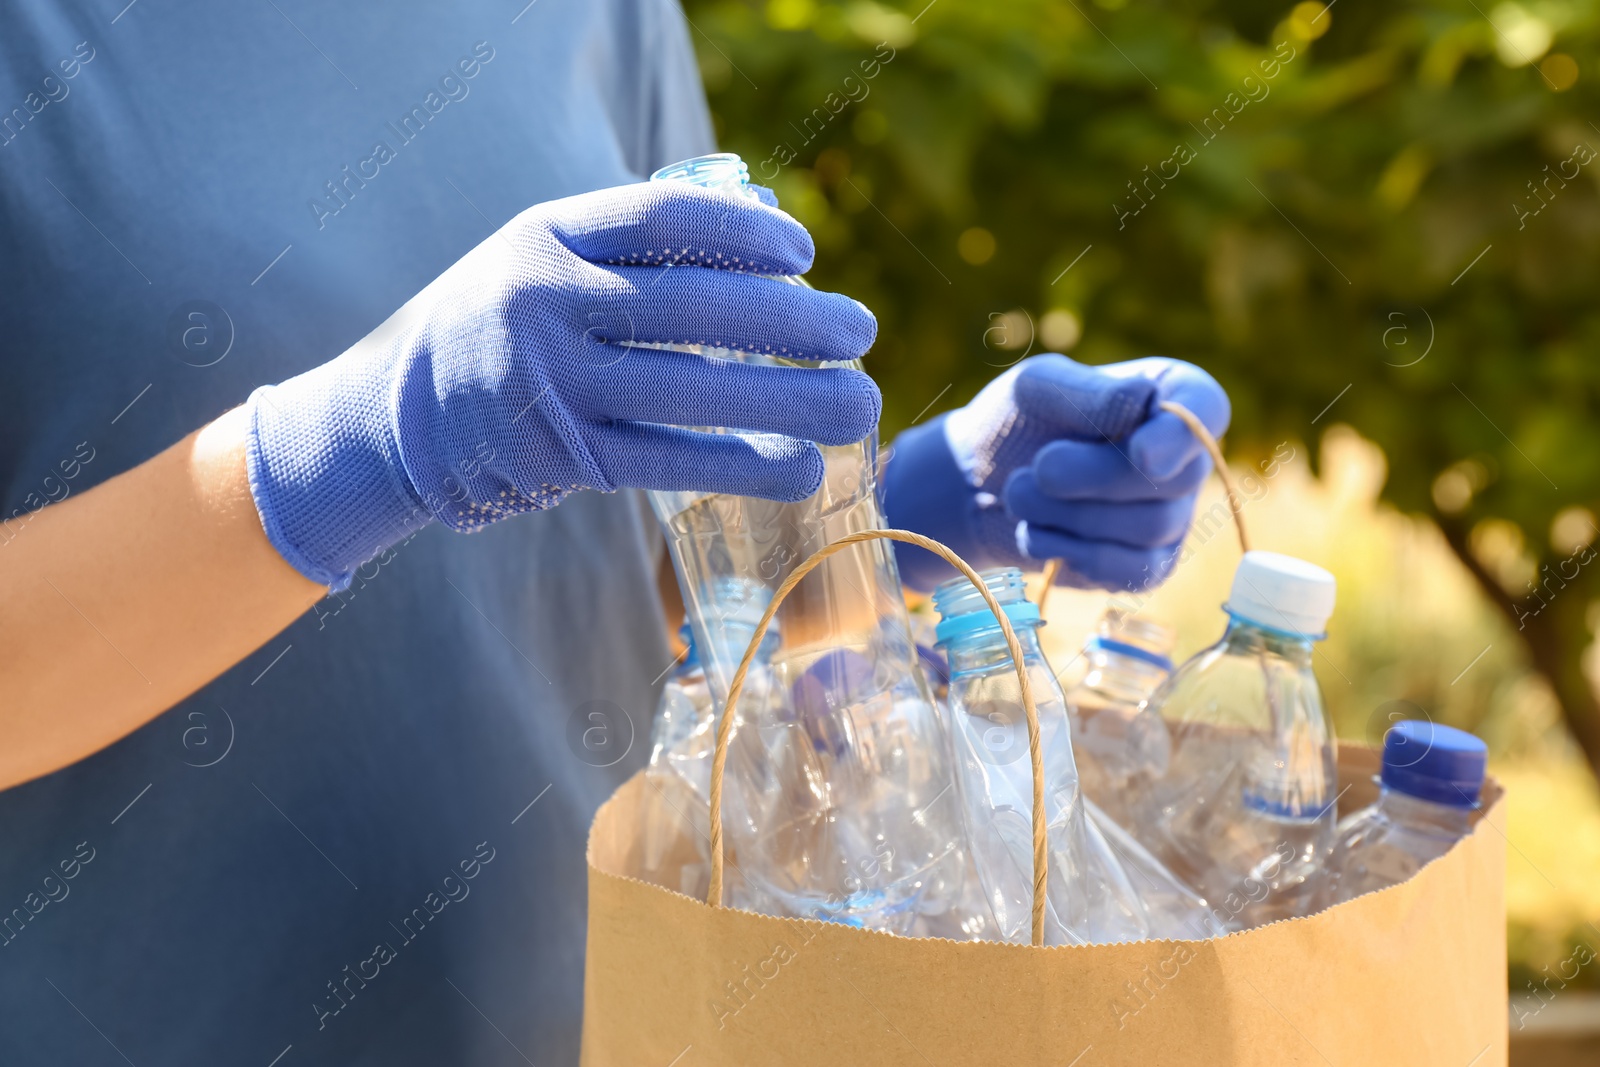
[
  {"x": 1434, "y": 762},
  {"x": 840, "y": 678}
]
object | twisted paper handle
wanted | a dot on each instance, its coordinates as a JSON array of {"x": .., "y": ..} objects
[{"x": 1035, "y": 753}]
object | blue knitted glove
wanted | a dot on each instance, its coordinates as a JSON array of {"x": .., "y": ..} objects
[
  {"x": 1056, "y": 459},
  {"x": 507, "y": 383}
]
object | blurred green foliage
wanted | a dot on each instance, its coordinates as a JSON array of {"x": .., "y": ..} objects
[
  {"x": 1391, "y": 225},
  {"x": 1384, "y": 214}
]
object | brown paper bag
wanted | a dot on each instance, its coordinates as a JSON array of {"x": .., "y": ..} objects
[{"x": 1410, "y": 975}]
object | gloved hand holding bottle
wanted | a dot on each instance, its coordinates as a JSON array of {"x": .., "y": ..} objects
[
  {"x": 1057, "y": 459},
  {"x": 507, "y": 383}
]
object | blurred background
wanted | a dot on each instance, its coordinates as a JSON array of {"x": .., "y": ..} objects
[{"x": 1377, "y": 224}]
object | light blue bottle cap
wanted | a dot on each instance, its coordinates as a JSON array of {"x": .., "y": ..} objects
[
  {"x": 963, "y": 611},
  {"x": 1021, "y": 613}
]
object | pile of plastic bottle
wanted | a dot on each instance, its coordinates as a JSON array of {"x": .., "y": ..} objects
[
  {"x": 874, "y": 781},
  {"x": 1181, "y": 803}
]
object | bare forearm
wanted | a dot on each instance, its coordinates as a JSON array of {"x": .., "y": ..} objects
[{"x": 120, "y": 602}]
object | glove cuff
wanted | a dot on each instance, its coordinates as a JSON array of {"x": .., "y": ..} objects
[
  {"x": 325, "y": 470},
  {"x": 926, "y": 491}
]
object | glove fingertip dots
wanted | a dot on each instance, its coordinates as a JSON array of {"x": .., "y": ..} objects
[
  {"x": 771, "y": 238},
  {"x": 469, "y": 514},
  {"x": 667, "y": 223}
]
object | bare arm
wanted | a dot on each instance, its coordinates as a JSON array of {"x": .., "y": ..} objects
[{"x": 116, "y": 604}]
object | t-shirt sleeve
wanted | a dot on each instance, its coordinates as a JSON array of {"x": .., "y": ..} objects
[{"x": 677, "y": 122}]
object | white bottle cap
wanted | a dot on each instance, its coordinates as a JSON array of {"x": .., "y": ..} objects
[{"x": 1282, "y": 593}]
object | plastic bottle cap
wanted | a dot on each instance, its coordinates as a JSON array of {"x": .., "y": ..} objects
[
  {"x": 1021, "y": 613},
  {"x": 1282, "y": 593},
  {"x": 1431, "y": 761},
  {"x": 824, "y": 693}
]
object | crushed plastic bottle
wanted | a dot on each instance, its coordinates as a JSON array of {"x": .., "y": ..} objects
[
  {"x": 963, "y": 914},
  {"x": 847, "y": 818},
  {"x": 1090, "y": 897},
  {"x": 1176, "y": 911},
  {"x": 673, "y": 808},
  {"x": 1432, "y": 776},
  {"x": 1121, "y": 743},
  {"x": 675, "y": 814},
  {"x": 1244, "y": 811}
]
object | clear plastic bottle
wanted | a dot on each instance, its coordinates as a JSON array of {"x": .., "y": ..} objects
[
  {"x": 1120, "y": 742},
  {"x": 1176, "y": 912},
  {"x": 674, "y": 817},
  {"x": 1090, "y": 897},
  {"x": 852, "y": 822},
  {"x": 1121, "y": 745},
  {"x": 964, "y": 914},
  {"x": 1244, "y": 811},
  {"x": 1432, "y": 775}
]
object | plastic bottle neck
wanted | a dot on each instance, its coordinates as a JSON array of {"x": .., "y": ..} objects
[
  {"x": 1249, "y": 639},
  {"x": 1121, "y": 678},
  {"x": 722, "y": 171},
  {"x": 986, "y": 649},
  {"x": 967, "y": 623},
  {"x": 1424, "y": 816}
]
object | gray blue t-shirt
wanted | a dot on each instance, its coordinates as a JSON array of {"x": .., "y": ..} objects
[{"x": 364, "y": 844}]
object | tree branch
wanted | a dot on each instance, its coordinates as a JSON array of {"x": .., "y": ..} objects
[{"x": 1548, "y": 637}]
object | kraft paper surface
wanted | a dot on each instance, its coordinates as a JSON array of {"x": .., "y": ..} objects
[{"x": 1411, "y": 975}]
